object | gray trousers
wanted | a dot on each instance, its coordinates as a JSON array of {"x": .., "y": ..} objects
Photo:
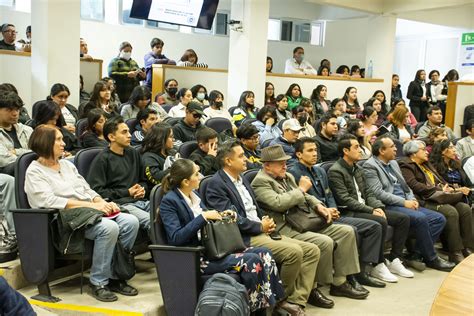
[{"x": 7, "y": 199}]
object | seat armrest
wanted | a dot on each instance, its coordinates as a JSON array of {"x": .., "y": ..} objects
[
  {"x": 35, "y": 210},
  {"x": 175, "y": 248}
]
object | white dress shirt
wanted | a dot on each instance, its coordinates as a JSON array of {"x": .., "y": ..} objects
[{"x": 292, "y": 67}]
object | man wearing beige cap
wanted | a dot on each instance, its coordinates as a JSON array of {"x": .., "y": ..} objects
[
  {"x": 291, "y": 130},
  {"x": 277, "y": 192}
]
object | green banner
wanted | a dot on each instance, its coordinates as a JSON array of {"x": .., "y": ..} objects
[{"x": 467, "y": 39}]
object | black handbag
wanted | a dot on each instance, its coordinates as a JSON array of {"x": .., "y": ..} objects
[
  {"x": 123, "y": 262},
  {"x": 305, "y": 220},
  {"x": 221, "y": 238},
  {"x": 440, "y": 197}
]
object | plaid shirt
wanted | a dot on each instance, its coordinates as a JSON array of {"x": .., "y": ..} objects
[{"x": 118, "y": 70}]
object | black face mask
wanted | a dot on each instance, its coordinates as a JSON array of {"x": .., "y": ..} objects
[
  {"x": 218, "y": 104},
  {"x": 172, "y": 91},
  {"x": 302, "y": 119}
]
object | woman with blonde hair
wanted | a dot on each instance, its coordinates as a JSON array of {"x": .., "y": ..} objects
[{"x": 399, "y": 126}]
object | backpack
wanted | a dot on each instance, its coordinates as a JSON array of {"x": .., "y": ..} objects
[
  {"x": 222, "y": 296},
  {"x": 8, "y": 246}
]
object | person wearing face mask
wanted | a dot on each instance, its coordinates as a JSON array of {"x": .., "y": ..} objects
[
  {"x": 266, "y": 123},
  {"x": 297, "y": 64},
  {"x": 169, "y": 96},
  {"x": 300, "y": 113},
  {"x": 200, "y": 95},
  {"x": 216, "y": 108},
  {"x": 125, "y": 71}
]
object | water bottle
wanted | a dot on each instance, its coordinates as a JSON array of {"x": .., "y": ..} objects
[{"x": 370, "y": 69}]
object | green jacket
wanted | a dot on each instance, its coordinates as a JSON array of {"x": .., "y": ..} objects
[{"x": 118, "y": 70}]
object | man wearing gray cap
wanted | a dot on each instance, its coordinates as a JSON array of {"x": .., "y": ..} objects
[
  {"x": 291, "y": 130},
  {"x": 277, "y": 193}
]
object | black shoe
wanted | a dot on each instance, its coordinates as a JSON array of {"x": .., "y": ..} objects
[
  {"x": 347, "y": 290},
  {"x": 356, "y": 285},
  {"x": 365, "y": 279},
  {"x": 456, "y": 257},
  {"x": 102, "y": 293},
  {"x": 440, "y": 264},
  {"x": 318, "y": 299},
  {"x": 414, "y": 261},
  {"x": 466, "y": 252},
  {"x": 120, "y": 286}
]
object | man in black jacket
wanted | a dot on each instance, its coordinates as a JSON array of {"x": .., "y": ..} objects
[
  {"x": 327, "y": 139},
  {"x": 248, "y": 136},
  {"x": 117, "y": 173},
  {"x": 205, "y": 155},
  {"x": 185, "y": 130}
]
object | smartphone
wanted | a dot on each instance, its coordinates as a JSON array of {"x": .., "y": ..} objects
[{"x": 275, "y": 235}]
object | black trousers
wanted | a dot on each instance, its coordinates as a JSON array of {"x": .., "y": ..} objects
[{"x": 401, "y": 227}]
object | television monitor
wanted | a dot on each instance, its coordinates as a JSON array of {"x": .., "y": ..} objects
[{"x": 193, "y": 13}]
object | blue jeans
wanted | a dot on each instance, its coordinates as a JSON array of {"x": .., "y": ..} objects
[
  {"x": 105, "y": 235},
  {"x": 426, "y": 225},
  {"x": 7, "y": 199},
  {"x": 141, "y": 210}
]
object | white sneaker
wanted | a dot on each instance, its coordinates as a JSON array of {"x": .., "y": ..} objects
[
  {"x": 397, "y": 267},
  {"x": 381, "y": 272}
]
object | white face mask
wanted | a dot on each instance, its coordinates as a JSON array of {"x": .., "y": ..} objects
[
  {"x": 125, "y": 55},
  {"x": 200, "y": 96}
]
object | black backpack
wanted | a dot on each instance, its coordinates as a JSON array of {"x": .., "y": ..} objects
[
  {"x": 222, "y": 296},
  {"x": 8, "y": 246}
]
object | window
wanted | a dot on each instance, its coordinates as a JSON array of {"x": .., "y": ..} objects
[
  {"x": 23, "y": 5},
  {"x": 125, "y": 7},
  {"x": 274, "y": 29},
  {"x": 92, "y": 10},
  {"x": 286, "y": 30},
  {"x": 220, "y": 24},
  {"x": 317, "y": 33},
  {"x": 302, "y": 32},
  {"x": 6, "y": 3}
]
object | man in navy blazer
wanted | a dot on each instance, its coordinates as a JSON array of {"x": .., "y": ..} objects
[{"x": 227, "y": 189}]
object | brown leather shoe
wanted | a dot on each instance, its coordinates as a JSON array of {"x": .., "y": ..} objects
[
  {"x": 318, "y": 299},
  {"x": 347, "y": 290},
  {"x": 456, "y": 257},
  {"x": 285, "y": 307}
]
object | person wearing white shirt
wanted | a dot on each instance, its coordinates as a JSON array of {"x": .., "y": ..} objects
[
  {"x": 184, "y": 96},
  {"x": 297, "y": 64}
]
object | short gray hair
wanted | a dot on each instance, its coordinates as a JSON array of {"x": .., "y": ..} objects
[{"x": 412, "y": 147}]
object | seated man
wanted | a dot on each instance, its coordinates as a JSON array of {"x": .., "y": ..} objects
[
  {"x": 355, "y": 199},
  {"x": 146, "y": 118},
  {"x": 435, "y": 117},
  {"x": 298, "y": 259},
  {"x": 297, "y": 64},
  {"x": 385, "y": 180},
  {"x": 248, "y": 135},
  {"x": 117, "y": 173},
  {"x": 326, "y": 138},
  {"x": 369, "y": 232},
  {"x": 155, "y": 57},
  {"x": 9, "y": 37},
  {"x": 185, "y": 130},
  {"x": 465, "y": 146},
  {"x": 14, "y": 136},
  {"x": 291, "y": 130},
  {"x": 277, "y": 192},
  {"x": 205, "y": 155}
]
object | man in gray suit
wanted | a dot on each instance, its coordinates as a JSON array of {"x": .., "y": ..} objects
[
  {"x": 277, "y": 192},
  {"x": 385, "y": 180}
]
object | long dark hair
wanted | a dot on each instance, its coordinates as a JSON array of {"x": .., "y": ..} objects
[
  {"x": 272, "y": 97},
  {"x": 417, "y": 75},
  {"x": 95, "y": 96},
  {"x": 92, "y": 117},
  {"x": 437, "y": 160},
  {"x": 139, "y": 93},
  {"x": 47, "y": 110},
  {"x": 155, "y": 139},
  {"x": 243, "y": 103},
  {"x": 290, "y": 88},
  {"x": 452, "y": 75},
  {"x": 317, "y": 92},
  {"x": 383, "y": 103},
  {"x": 213, "y": 95},
  {"x": 56, "y": 89},
  {"x": 352, "y": 126},
  {"x": 180, "y": 170},
  {"x": 346, "y": 96}
]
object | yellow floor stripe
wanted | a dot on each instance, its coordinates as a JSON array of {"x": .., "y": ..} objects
[{"x": 80, "y": 308}]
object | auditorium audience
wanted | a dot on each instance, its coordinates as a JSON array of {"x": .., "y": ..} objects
[
  {"x": 269, "y": 65},
  {"x": 298, "y": 260},
  {"x": 355, "y": 71},
  {"x": 245, "y": 108},
  {"x": 9, "y": 37},
  {"x": 427, "y": 184},
  {"x": 298, "y": 65},
  {"x": 377, "y": 106},
  {"x": 282, "y": 107},
  {"x": 356, "y": 128},
  {"x": 465, "y": 146},
  {"x": 169, "y": 96},
  {"x": 435, "y": 89},
  {"x": 270, "y": 94},
  {"x": 216, "y": 108},
  {"x": 385, "y": 180},
  {"x": 300, "y": 113},
  {"x": 248, "y": 136},
  {"x": 326, "y": 63},
  {"x": 436, "y": 135},
  {"x": 114, "y": 97},
  {"x": 83, "y": 95},
  {"x": 419, "y": 102},
  {"x": 184, "y": 96},
  {"x": 100, "y": 98},
  {"x": 399, "y": 125},
  {"x": 309, "y": 109},
  {"x": 199, "y": 93},
  {"x": 294, "y": 96},
  {"x": 117, "y": 173},
  {"x": 277, "y": 192},
  {"x": 205, "y": 155},
  {"x": 94, "y": 133},
  {"x": 380, "y": 95},
  {"x": 183, "y": 215},
  {"x": 84, "y": 50},
  {"x": 290, "y": 131},
  {"x": 14, "y": 136},
  {"x": 352, "y": 104},
  {"x": 140, "y": 100},
  {"x": 369, "y": 118},
  {"x": 266, "y": 124},
  {"x": 51, "y": 182},
  {"x": 157, "y": 153},
  {"x": 320, "y": 102},
  {"x": 146, "y": 118},
  {"x": 23, "y": 116},
  {"x": 125, "y": 72},
  {"x": 59, "y": 94},
  {"x": 435, "y": 118},
  {"x": 351, "y": 191},
  {"x": 190, "y": 59},
  {"x": 155, "y": 56},
  {"x": 401, "y": 103},
  {"x": 327, "y": 138},
  {"x": 323, "y": 71},
  {"x": 186, "y": 128},
  {"x": 396, "y": 89},
  {"x": 338, "y": 106},
  {"x": 343, "y": 70},
  {"x": 369, "y": 232}
]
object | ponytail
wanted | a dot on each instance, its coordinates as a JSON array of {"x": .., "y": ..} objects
[{"x": 180, "y": 170}]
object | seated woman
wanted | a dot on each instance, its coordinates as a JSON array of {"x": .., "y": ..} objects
[
  {"x": 100, "y": 99},
  {"x": 294, "y": 96},
  {"x": 300, "y": 113},
  {"x": 323, "y": 71},
  {"x": 269, "y": 65},
  {"x": 308, "y": 107},
  {"x": 377, "y": 105},
  {"x": 49, "y": 113},
  {"x": 380, "y": 95},
  {"x": 184, "y": 215},
  {"x": 369, "y": 117},
  {"x": 355, "y": 71},
  {"x": 94, "y": 135},
  {"x": 399, "y": 125},
  {"x": 270, "y": 94},
  {"x": 190, "y": 59},
  {"x": 266, "y": 124},
  {"x": 59, "y": 94},
  {"x": 320, "y": 103},
  {"x": 343, "y": 70},
  {"x": 338, "y": 106},
  {"x": 356, "y": 128},
  {"x": 401, "y": 103},
  {"x": 200, "y": 95},
  {"x": 216, "y": 108},
  {"x": 248, "y": 135},
  {"x": 352, "y": 104},
  {"x": 282, "y": 107},
  {"x": 184, "y": 96},
  {"x": 156, "y": 148},
  {"x": 140, "y": 99},
  {"x": 436, "y": 135},
  {"x": 52, "y": 182},
  {"x": 425, "y": 181},
  {"x": 114, "y": 97},
  {"x": 245, "y": 108}
]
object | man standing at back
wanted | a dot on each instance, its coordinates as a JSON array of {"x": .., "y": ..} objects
[{"x": 117, "y": 173}]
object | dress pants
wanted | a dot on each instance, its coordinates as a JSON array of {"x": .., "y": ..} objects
[
  {"x": 298, "y": 261},
  {"x": 344, "y": 260}
]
